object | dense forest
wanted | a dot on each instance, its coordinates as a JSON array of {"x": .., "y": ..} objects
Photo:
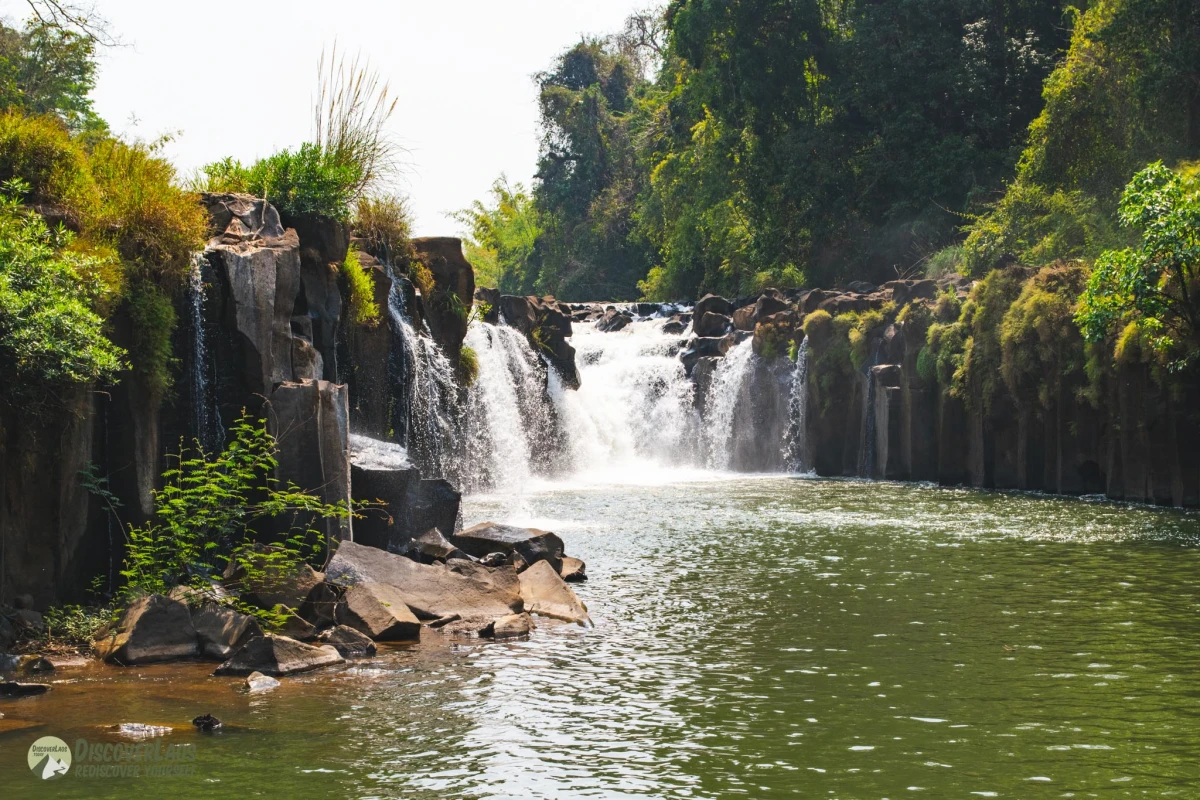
[{"x": 732, "y": 146}]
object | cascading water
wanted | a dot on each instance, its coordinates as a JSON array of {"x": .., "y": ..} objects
[
  {"x": 509, "y": 423},
  {"x": 206, "y": 418},
  {"x": 867, "y": 450},
  {"x": 424, "y": 394},
  {"x": 724, "y": 419},
  {"x": 633, "y": 417},
  {"x": 795, "y": 456}
]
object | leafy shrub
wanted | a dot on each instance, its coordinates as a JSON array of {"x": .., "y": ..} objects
[
  {"x": 361, "y": 289},
  {"x": 152, "y": 315},
  {"x": 226, "y": 175},
  {"x": 422, "y": 278},
  {"x": 205, "y": 517},
  {"x": 468, "y": 365},
  {"x": 49, "y": 335},
  {"x": 946, "y": 261},
  {"x": 385, "y": 222},
  {"x": 39, "y": 151},
  {"x": 1041, "y": 350}
]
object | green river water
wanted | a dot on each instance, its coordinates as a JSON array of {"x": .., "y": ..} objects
[{"x": 754, "y": 637}]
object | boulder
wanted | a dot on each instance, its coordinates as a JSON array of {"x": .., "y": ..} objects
[
  {"x": 222, "y": 631},
  {"x": 453, "y": 291},
  {"x": 278, "y": 655},
  {"x": 706, "y": 347},
  {"x": 573, "y": 570},
  {"x": 257, "y": 683},
  {"x": 153, "y": 628},
  {"x": 488, "y": 301},
  {"x": 379, "y": 611},
  {"x": 349, "y": 642},
  {"x": 743, "y": 318},
  {"x": 545, "y": 593},
  {"x": 513, "y": 626},
  {"x": 711, "y": 303},
  {"x": 302, "y": 591},
  {"x": 531, "y": 544},
  {"x": 546, "y": 324},
  {"x": 26, "y": 619},
  {"x": 770, "y": 302},
  {"x": 613, "y": 321},
  {"x": 432, "y": 546},
  {"x": 711, "y": 324},
  {"x": 674, "y": 327},
  {"x": 431, "y": 591}
]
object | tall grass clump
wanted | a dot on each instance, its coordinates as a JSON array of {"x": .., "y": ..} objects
[{"x": 385, "y": 222}]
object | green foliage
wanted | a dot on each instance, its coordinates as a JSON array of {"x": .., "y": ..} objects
[
  {"x": 468, "y": 365},
  {"x": 74, "y": 625},
  {"x": 40, "y": 152},
  {"x": 50, "y": 338},
  {"x": 46, "y": 69},
  {"x": 206, "y": 516},
  {"x": 153, "y": 317},
  {"x": 502, "y": 237},
  {"x": 1155, "y": 287},
  {"x": 297, "y": 182},
  {"x": 361, "y": 291},
  {"x": 385, "y": 222}
]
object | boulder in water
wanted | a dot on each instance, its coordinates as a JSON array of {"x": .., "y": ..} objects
[
  {"x": 222, "y": 630},
  {"x": 545, "y": 593},
  {"x": 674, "y": 327},
  {"x": 513, "y": 626},
  {"x": 573, "y": 570},
  {"x": 712, "y": 324},
  {"x": 432, "y": 546},
  {"x": 15, "y": 689},
  {"x": 153, "y": 628},
  {"x": 278, "y": 655},
  {"x": 531, "y": 544},
  {"x": 379, "y": 611},
  {"x": 349, "y": 642},
  {"x": 431, "y": 591},
  {"x": 256, "y": 683},
  {"x": 711, "y": 303},
  {"x": 613, "y": 321}
]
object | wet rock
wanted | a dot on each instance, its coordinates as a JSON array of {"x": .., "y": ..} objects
[
  {"x": 546, "y": 324},
  {"x": 494, "y": 560},
  {"x": 256, "y": 683},
  {"x": 432, "y": 546},
  {"x": 613, "y": 321},
  {"x": 68, "y": 661},
  {"x": 153, "y": 628},
  {"x": 488, "y": 301},
  {"x": 222, "y": 631},
  {"x": 705, "y": 347},
  {"x": 453, "y": 290},
  {"x": 711, "y": 303},
  {"x": 772, "y": 301},
  {"x": 349, "y": 642},
  {"x": 573, "y": 570},
  {"x": 430, "y": 590},
  {"x": 206, "y": 723},
  {"x": 545, "y": 593},
  {"x": 710, "y": 324},
  {"x": 278, "y": 655},
  {"x": 513, "y": 626},
  {"x": 379, "y": 611},
  {"x": 674, "y": 327},
  {"x": 531, "y": 544},
  {"x": 140, "y": 730},
  {"x": 441, "y": 622},
  {"x": 15, "y": 689}
]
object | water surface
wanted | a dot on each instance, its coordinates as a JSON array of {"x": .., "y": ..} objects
[{"x": 754, "y": 637}]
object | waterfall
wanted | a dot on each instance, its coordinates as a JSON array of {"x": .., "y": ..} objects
[
  {"x": 724, "y": 420},
  {"x": 795, "y": 456},
  {"x": 633, "y": 417},
  {"x": 424, "y": 393},
  {"x": 867, "y": 450},
  {"x": 508, "y": 424},
  {"x": 206, "y": 417}
]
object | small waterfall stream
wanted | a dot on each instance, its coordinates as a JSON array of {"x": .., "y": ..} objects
[
  {"x": 796, "y": 457},
  {"x": 725, "y": 422},
  {"x": 206, "y": 418}
]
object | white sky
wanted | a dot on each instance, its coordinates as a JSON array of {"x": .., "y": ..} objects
[{"x": 238, "y": 79}]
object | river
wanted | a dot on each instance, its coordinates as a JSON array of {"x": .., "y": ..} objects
[{"x": 754, "y": 637}]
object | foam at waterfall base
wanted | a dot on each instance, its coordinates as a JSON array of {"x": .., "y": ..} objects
[{"x": 375, "y": 454}]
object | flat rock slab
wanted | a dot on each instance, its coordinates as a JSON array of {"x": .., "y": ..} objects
[
  {"x": 431, "y": 591},
  {"x": 153, "y": 628},
  {"x": 547, "y": 594},
  {"x": 278, "y": 655},
  {"x": 379, "y": 611},
  {"x": 531, "y": 544}
]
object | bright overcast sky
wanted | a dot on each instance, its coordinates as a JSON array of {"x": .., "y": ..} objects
[{"x": 237, "y": 79}]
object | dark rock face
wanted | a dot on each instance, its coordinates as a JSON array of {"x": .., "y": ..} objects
[
  {"x": 489, "y": 300},
  {"x": 323, "y": 246},
  {"x": 311, "y": 424},
  {"x": 531, "y": 544},
  {"x": 378, "y": 611},
  {"x": 431, "y": 591},
  {"x": 278, "y": 655},
  {"x": 447, "y": 309},
  {"x": 546, "y": 323},
  {"x": 153, "y": 628},
  {"x": 701, "y": 347},
  {"x": 411, "y": 506},
  {"x": 709, "y": 324}
]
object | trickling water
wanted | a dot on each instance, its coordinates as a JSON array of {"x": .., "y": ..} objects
[
  {"x": 795, "y": 456},
  {"x": 206, "y": 418},
  {"x": 634, "y": 413},
  {"x": 866, "y": 452},
  {"x": 508, "y": 424},
  {"x": 725, "y": 405},
  {"x": 424, "y": 394}
]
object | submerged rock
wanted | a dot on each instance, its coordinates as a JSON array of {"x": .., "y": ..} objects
[
  {"x": 545, "y": 593},
  {"x": 153, "y": 628},
  {"x": 513, "y": 626},
  {"x": 349, "y": 642},
  {"x": 257, "y": 683},
  {"x": 278, "y": 655},
  {"x": 379, "y": 611},
  {"x": 531, "y": 544},
  {"x": 206, "y": 723},
  {"x": 222, "y": 630},
  {"x": 430, "y": 590},
  {"x": 15, "y": 689}
]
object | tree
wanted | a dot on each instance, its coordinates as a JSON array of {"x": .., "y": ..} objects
[
  {"x": 503, "y": 234},
  {"x": 1155, "y": 287},
  {"x": 46, "y": 69}
]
